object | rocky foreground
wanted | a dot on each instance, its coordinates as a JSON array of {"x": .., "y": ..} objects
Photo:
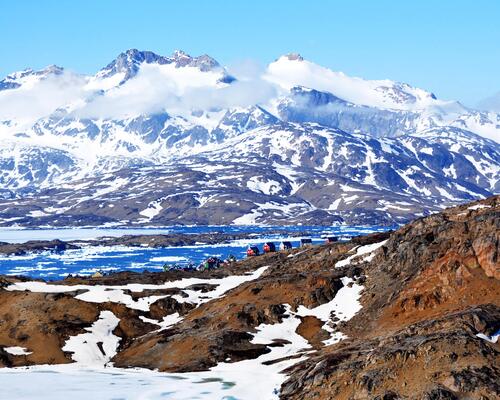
[{"x": 412, "y": 314}]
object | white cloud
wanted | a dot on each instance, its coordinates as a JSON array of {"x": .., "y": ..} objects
[
  {"x": 40, "y": 98},
  {"x": 247, "y": 69},
  {"x": 147, "y": 93},
  {"x": 238, "y": 94},
  {"x": 491, "y": 103},
  {"x": 154, "y": 90}
]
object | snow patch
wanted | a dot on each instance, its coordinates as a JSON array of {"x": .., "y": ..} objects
[
  {"x": 478, "y": 207},
  {"x": 361, "y": 250},
  {"x": 492, "y": 339},
  {"x": 154, "y": 208},
  {"x": 116, "y": 294},
  {"x": 17, "y": 351},
  {"x": 98, "y": 345},
  {"x": 344, "y": 306},
  {"x": 259, "y": 185}
]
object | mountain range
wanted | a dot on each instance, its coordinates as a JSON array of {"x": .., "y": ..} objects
[{"x": 156, "y": 140}]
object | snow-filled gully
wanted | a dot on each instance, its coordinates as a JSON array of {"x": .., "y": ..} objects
[
  {"x": 93, "y": 349},
  {"x": 98, "y": 345}
]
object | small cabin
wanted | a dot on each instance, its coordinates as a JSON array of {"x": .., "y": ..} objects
[
  {"x": 331, "y": 239},
  {"x": 269, "y": 247},
  {"x": 285, "y": 245},
  {"x": 253, "y": 251},
  {"x": 305, "y": 242}
]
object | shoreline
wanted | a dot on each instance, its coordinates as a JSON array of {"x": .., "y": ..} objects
[{"x": 165, "y": 240}]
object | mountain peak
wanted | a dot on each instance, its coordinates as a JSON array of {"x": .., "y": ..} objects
[
  {"x": 130, "y": 61},
  {"x": 52, "y": 69},
  {"x": 293, "y": 57},
  {"x": 140, "y": 56},
  {"x": 180, "y": 54},
  {"x": 17, "y": 79},
  {"x": 203, "y": 63}
]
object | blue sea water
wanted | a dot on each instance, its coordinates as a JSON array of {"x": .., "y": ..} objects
[{"x": 86, "y": 261}]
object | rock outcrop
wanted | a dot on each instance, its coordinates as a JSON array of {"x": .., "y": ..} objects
[{"x": 430, "y": 290}]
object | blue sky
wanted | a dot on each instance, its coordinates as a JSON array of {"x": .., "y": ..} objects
[{"x": 451, "y": 47}]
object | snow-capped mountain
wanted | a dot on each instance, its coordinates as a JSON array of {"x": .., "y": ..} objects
[
  {"x": 28, "y": 77},
  {"x": 292, "y": 70},
  {"x": 297, "y": 143}
]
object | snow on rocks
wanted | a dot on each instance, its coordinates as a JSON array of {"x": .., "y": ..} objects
[
  {"x": 296, "y": 254},
  {"x": 368, "y": 249},
  {"x": 258, "y": 185},
  {"x": 248, "y": 219},
  {"x": 492, "y": 339},
  {"x": 103, "y": 294},
  {"x": 165, "y": 323},
  {"x": 116, "y": 294},
  {"x": 478, "y": 207},
  {"x": 17, "y": 351},
  {"x": 97, "y": 346},
  {"x": 153, "y": 209},
  {"x": 269, "y": 374},
  {"x": 266, "y": 333},
  {"x": 344, "y": 306},
  {"x": 346, "y": 303},
  {"x": 226, "y": 380}
]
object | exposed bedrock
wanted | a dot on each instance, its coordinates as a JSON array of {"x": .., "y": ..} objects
[{"x": 430, "y": 290}]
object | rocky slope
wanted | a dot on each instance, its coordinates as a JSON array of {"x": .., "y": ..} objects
[
  {"x": 402, "y": 315},
  {"x": 297, "y": 143},
  {"x": 428, "y": 294}
]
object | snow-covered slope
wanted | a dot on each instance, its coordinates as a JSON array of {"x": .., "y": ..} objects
[
  {"x": 300, "y": 141},
  {"x": 28, "y": 77}
]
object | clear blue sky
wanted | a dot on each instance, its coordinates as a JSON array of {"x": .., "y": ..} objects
[{"x": 451, "y": 47}]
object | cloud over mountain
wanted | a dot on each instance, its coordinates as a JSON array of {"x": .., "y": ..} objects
[{"x": 293, "y": 141}]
